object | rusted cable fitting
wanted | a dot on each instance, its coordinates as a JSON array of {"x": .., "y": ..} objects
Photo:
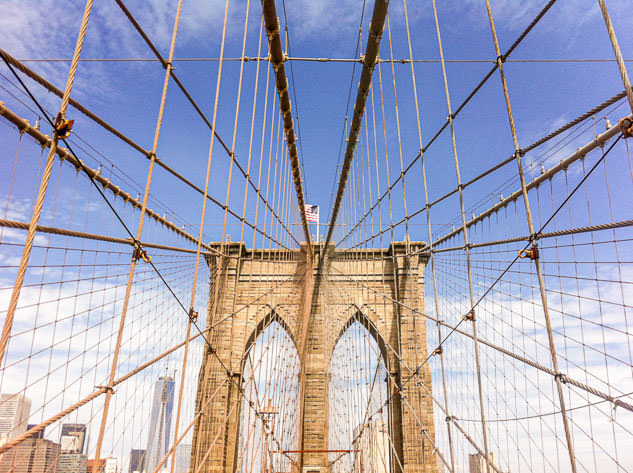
[
  {"x": 63, "y": 126},
  {"x": 532, "y": 253},
  {"x": 140, "y": 253},
  {"x": 437, "y": 351},
  {"x": 193, "y": 315},
  {"x": 108, "y": 389},
  {"x": 626, "y": 126},
  {"x": 470, "y": 316}
]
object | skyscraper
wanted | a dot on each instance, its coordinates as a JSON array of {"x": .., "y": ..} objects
[
  {"x": 160, "y": 423},
  {"x": 71, "y": 463},
  {"x": 72, "y": 441},
  {"x": 73, "y": 438},
  {"x": 14, "y": 415},
  {"x": 477, "y": 462},
  {"x": 33, "y": 455},
  {"x": 372, "y": 443},
  {"x": 183, "y": 458},
  {"x": 137, "y": 461}
]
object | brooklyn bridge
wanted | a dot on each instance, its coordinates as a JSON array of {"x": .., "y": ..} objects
[{"x": 290, "y": 236}]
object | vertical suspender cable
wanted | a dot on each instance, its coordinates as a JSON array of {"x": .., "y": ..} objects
[
  {"x": 617, "y": 52},
  {"x": 369, "y": 61},
  {"x": 277, "y": 59},
  {"x": 128, "y": 288},
  {"x": 537, "y": 263},
  {"x": 41, "y": 194}
]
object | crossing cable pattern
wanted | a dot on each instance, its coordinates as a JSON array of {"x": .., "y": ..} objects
[
  {"x": 504, "y": 339},
  {"x": 360, "y": 220},
  {"x": 282, "y": 206}
]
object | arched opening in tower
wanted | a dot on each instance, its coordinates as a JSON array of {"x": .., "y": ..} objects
[
  {"x": 269, "y": 415},
  {"x": 359, "y": 437}
]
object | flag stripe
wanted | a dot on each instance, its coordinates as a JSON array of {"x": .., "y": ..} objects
[{"x": 312, "y": 213}]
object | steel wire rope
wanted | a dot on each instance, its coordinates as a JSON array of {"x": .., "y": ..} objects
[
  {"x": 43, "y": 185},
  {"x": 485, "y": 173},
  {"x": 328, "y": 59},
  {"x": 474, "y": 91},
  {"x": 349, "y": 98},
  {"x": 294, "y": 93},
  {"x": 456, "y": 327},
  {"x": 118, "y": 134},
  {"x": 112, "y": 163},
  {"x": 212, "y": 127},
  {"x": 136, "y": 242},
  {"x": 391, "y": 377}
]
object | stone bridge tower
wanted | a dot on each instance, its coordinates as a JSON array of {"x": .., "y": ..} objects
[{"x": 357, "y": 285}]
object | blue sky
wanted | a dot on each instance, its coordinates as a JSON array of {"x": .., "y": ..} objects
[
  {"x": 127, "y": 93},
  {"x": 544, "y": 96}
]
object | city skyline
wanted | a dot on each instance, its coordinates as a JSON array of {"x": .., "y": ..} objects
[{"x": 68, "y": 449}]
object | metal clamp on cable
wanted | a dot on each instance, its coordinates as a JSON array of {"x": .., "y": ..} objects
[
  {"x": 532, "y": 253},
  {"x": 626, "y": 126},
  {"x": 193, "y": 315},
  {"x": 560, "y": 377},
  {"x": 469, "y": 316},
  {"x": 108, "y": 389},
  {"x": 63, "y": 126},
  {"x": 140, "y": 253},
  {"x": 437, "y": 351}
]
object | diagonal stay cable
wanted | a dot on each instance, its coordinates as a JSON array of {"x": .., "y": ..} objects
[
  {"x": 369, "y": 62},
  {"x": 51, "y": 88},
  {"x": 454, "y": 115},
  {"x": 184, "y": 90},
  {"x": 480, "y": 176},
  {"x": 294, "y": 94},
  {"x": 139, "y": 246},
  {"x": 271, "y": 23},
  {"x": 349, "y": 97},
  {"x": 532, "y": 241}
]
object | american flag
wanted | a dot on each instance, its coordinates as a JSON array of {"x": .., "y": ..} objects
[{"x": 312, "y": 213}]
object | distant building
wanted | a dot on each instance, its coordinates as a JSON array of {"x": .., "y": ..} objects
[
  {"x": 372, "y": 443},
  {"x": 14, "y": 415},
  {"x": 160, "y": 423},
  {"x": 137, "y": 461},
  {"x": 71, "y": 463},
  {"x": 477, "y": 462},
  {"x": 90, "y": 465},
  {"x": 111, "y": 465},
  {"x": 183, "y": 458},
  {"x": 39, "y": 435},
  {"x": 73, "y": 438},
  {"x": 33, "y": 455}
]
